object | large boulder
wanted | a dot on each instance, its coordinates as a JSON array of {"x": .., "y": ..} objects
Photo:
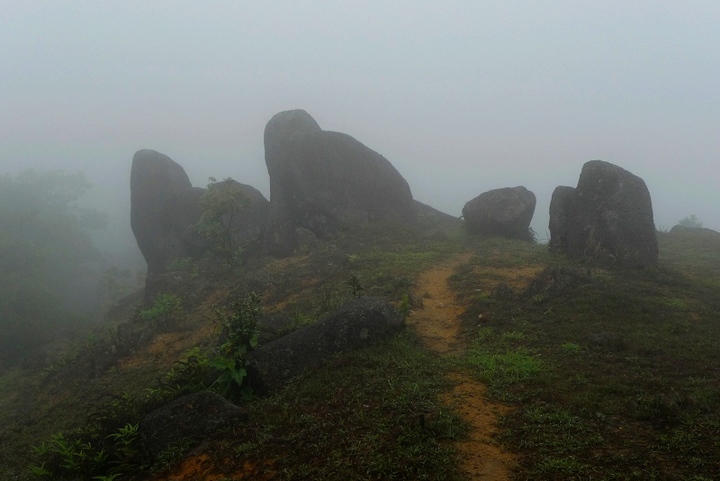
[
  {"x": 560, "y": 207},
  {"x": 503, "y": 212},
  {"x": 188, "y": 419},
  {"x": 357, "y": 324},
  {"x": 607, "y": 219},
  {"x": 326, "y": 182},
  {"x": 248, "y": 223},
  {"x": 164, "y": 208}
]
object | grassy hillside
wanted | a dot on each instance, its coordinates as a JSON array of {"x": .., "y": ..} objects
[
  {"x": 608, "y": 374},
  {"x": 614, "y": 374}
]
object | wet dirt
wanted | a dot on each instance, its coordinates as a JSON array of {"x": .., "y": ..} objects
[
  {"x": 438, "y": 326},
  {"x": 204, "y": 467}
]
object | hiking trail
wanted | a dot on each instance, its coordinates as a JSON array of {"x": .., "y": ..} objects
[{"x": 438, "y": 326}]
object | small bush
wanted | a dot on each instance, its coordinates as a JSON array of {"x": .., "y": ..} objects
[
  {"x": 691, "y": 222},
  {"x": 166, "y": 308},
  {"x": 240, "y": 335}
]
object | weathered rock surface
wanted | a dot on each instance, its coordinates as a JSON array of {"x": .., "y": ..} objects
[
  {"x": 164, "y": 208},
  {"x": 272, "y": 326},
  {"x": 189, "y": 418},
  {"x": 681, "y": 229},
  {"x": 429, "y": 218},
  {"x": 560, "y": 208},
  {"x": 554, "y": 282},
  {"x": 505, "y": 212},
  {"x": 326, "y": 182},
  {"x": 357, "y": 324},
  {"x": 247, "y": 224},
  {"x": 608, "y": 219}
]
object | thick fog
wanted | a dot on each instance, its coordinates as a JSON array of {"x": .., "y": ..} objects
[{"x": 461, "y": 97}]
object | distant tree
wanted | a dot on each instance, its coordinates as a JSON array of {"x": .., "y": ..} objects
[
  {"x": 691, "y": 221},
  {"x": 44, "y": 245},
  {"x": 220, "y": 204}
]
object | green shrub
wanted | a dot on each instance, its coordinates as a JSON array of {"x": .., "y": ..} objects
[
  {"x": 240, "y": 335},
  {"x": 221, "y": 204},
  {"x": 166, "y": 308},
  {"x": 690, "y": 221}
]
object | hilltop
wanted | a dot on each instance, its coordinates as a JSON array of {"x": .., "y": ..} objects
[{"x": 604, "y": 372}]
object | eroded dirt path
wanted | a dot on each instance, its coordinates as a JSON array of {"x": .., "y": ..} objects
[{"x": 438, "y": 326}]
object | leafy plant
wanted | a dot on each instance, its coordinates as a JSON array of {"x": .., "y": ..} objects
[
  {"x": 110, "y": 477},
  {"x": 180, "y": 263},
  {"x": 221, "y": 204},
  {"x": 40, "y": 471},
  {"x": 166, "y": 307},
  {"x": 404, "y": 308},
  {"x": 97, "y": 449},
  {"x": 355, "y": 285},
  {"x": 125, "y": 446},
  {"x": 239, "y": 330}
]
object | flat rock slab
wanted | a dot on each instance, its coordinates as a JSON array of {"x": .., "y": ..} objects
[
  {"x": 188, "y": 418},
  {"x": 357, "y": 324}
]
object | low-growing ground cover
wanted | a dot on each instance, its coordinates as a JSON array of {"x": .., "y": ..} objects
[
  {"x": 615, "y": 378},
  {"x": 612, "y": 375},
  {"x": 385, "y": 414}
]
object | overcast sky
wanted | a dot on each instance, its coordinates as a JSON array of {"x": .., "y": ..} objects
[{"x": 462, "y": 97}]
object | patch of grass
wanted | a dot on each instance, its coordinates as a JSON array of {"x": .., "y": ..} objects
[
  {"x": 696, "y": 251},
  {"x": 674, "y": 303},
  {"x": 9, "y": 379},
  {"x": 506, "y": 253},
  {"x": 550, "y": 468},
  {"x": 372, "y": 414},
  {"x": 502, "y": 368},
  {"x": 166, "y": 308},
  {"x": 618, "y": 379},
  {"x": 629, "y": 382},
  {"x": 571, "y": 347},
  {"x": 494, "y": 359}
]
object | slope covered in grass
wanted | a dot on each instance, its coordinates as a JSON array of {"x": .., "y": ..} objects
[{"x": 607, "y": 374}]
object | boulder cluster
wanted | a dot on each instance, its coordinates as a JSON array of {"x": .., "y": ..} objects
[
  {"x": 606, "y": 219},
  {"x": 320, "y": 181},
  {"x": 323, "y": 183}
]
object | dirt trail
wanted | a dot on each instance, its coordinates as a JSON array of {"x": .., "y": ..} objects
[{"x": 438, "y": 325}]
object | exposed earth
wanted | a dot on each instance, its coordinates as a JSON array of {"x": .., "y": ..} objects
[{"x": 439, "y": 327}]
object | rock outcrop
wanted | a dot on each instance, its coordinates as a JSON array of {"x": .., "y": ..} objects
[
  {"x": 190, "y": 418},
  {"x": 326, "y": 182},
  {"x": 503, "y": 212},
  {"x": 247, "y": 224},
  {"x": 164, "y": 208},
  {"x": 357, "y": 324},
  {"x": 560, "y": 207},
  {"x": 606, "y": 219}
]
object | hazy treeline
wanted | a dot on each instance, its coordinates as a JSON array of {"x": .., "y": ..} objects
[{"x": 52, "y": 276}]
